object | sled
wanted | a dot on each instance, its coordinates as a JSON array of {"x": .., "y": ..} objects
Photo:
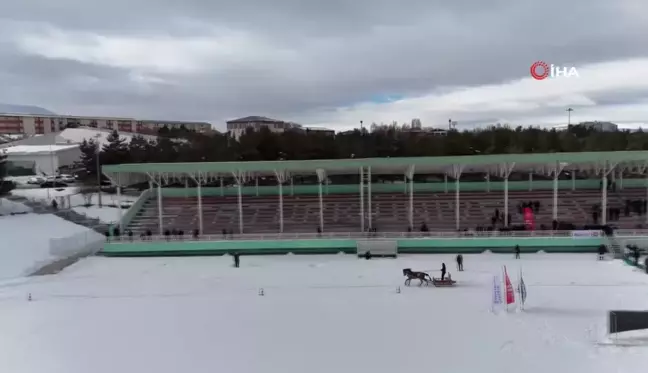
[{"x": 443, "y": 283}]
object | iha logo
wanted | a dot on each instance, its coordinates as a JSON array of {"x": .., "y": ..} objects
[{"x": 541, "y": 70}]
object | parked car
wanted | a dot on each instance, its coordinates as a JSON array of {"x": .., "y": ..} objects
[
  {"x": 53, "y": 184},
  {"x": 35, "y": 180},
  {"x": 67, "y": 178}
]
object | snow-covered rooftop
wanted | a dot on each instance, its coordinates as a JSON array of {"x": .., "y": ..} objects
[
  {"x": 37, "y": 149},
  {"x": 77, "y": 135}
]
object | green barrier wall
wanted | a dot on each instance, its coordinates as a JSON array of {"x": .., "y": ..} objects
[
  {"x": 396, "y": 188},
  {"x": 333, "y": 246}
]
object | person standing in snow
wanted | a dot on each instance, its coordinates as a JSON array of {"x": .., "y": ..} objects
[
  {"x": 601, "y": 252},
  {"x": 443, "y": 271},
  {"x": 459, "y": 262},
  {"x": 517, "y": 251},
  {"x": 236, "y": 260}
]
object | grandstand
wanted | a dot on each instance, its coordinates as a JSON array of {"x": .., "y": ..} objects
[{"x": 442, "y": 206}]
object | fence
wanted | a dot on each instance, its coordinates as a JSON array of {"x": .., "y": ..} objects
[
  {"x": 76, "y": 245},
  {"x": 361, "y": 235}
]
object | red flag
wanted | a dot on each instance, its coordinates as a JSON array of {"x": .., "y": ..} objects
[
  {"x": 529, "y": 219},
  {"x": 510, "y": 294}
]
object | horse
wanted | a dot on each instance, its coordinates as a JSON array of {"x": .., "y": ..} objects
[{"x": 421, "y": 276}]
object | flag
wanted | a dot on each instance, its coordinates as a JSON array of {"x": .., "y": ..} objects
[
  {"x": 510, "y": 295},
  {"x": 522, "y": 289},
  {"x": 497, "y": 291},
  {"x": 529, "y": 220}
]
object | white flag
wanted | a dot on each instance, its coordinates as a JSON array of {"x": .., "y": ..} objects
[
  {"x": 497, "y": 291},
  {"x": 522, "y": 290}
]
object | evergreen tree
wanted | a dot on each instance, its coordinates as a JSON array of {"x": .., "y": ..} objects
[
  {"x": 88, "y": 150},
  {"x": 115, "y": 150}
]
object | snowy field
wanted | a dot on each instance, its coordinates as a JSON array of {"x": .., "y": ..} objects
[{"x": 328, "y": 314}]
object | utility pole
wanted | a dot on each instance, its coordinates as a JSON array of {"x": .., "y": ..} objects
[
  {"x": 569, "y": 111},
  {"x": 97, "y": 153}
]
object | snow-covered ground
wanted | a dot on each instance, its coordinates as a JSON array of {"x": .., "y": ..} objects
[
  {"x": 317, "y": 314},
  {"x": 109, "y": 213},
  {"x": 8, "y": 207},
  {"x": 25, "y": 242}
]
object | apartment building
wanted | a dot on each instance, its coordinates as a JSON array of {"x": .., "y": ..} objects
[{"x": 11, "y": 124}]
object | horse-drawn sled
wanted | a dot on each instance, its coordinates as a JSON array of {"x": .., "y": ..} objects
[{"x": 425, "y": 278}]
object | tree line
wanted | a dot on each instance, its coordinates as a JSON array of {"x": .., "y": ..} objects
[{"x": 376, "y": 141}]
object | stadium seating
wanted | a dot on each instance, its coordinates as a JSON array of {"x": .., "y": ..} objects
[{"x": 389, "y": 211}]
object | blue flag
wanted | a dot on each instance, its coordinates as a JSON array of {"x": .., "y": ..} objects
[{"x": 497, "y": 291}]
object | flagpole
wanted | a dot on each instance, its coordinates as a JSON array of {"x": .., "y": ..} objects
[
  {"x": 520, "y": 290},
  {"x": 505, "y": 289},
  {"x": 493, "y": 294}
]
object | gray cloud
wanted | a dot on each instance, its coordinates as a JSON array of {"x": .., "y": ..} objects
[{"x": 306, "y": 56}]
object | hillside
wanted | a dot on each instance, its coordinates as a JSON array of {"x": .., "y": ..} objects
[{"x": 24, "y": 109}]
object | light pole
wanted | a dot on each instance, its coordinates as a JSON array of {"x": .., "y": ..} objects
[
  {"x": 98, "y": 165},
  {"x": 569, "y": 111}
]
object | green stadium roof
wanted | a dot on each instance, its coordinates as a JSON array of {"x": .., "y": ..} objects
[{"x": 472, "y": 163}]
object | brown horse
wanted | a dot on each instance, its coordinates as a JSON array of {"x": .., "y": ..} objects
[{"x": 421, "y": 276}]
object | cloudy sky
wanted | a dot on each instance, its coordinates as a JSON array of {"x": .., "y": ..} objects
[{"x": 328, "y": 62}]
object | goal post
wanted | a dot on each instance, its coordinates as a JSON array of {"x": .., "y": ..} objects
[{"x": 378, "y": 248}]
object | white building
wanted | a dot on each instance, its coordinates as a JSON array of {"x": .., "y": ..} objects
[
  {"x": 237, "y": 127},
  {"x": 43, "y": 124},
  {"x": 595, "y": 125},
  {"x": 43, "y": 159}
]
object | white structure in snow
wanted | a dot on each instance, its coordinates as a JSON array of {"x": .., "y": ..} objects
[
  {"x": 43, "y": 159},
  {"x": 71, "y": 136},
  {"x": 595, "y": 125}
]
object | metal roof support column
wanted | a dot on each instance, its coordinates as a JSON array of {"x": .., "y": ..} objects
[
  {"x": 158, "y": 181},
  {"x": 620, "y": 180},
  {"x": 456, "y": 173},
  {"x": 362, "y": 223},
  {"x": 369, "y": 217},
  {"x": 573, "y": 177},
  {"x": 281, "y": 178},
  {"x": 605, "y": 171},
  {"x": 222, "y": 187},
  {"x": 256, "y": 185},
  {"x": 119, "y": 205},
  {"x": 646, "y": 214},
  {"x": 321, "y": 177},
  {"x": 445, "y": 182},
  {"x": 240, "y": 177},
  {"x": 643, "y": 169},
  {"x": 198, "y": 178},
  {"x": 410, "y": 211},
  {"x": 556, "y": 172},
  {"x": 505, "y": 171},
  {"x": 292, "y": 186},
  {"x": 530, "y": 181},
  {"x": 488, "y": 189}
]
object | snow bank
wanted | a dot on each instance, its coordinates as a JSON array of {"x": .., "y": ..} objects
[{"x": 31, "y": 241}]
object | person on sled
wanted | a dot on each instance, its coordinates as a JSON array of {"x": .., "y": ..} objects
[{"x": 443, "y": 271}]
